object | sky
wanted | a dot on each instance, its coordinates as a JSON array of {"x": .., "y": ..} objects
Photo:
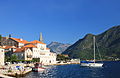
[{"x": 64, "y": 21}]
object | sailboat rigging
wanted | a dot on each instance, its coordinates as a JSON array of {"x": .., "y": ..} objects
[{"x": 92, "y": 64}]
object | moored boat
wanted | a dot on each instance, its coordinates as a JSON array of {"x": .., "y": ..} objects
[
  {"x": 38, "y": 67},
  {"x": 92, "y": 63}
]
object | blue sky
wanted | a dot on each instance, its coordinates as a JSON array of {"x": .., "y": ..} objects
[{"x": 63, "y": 21}]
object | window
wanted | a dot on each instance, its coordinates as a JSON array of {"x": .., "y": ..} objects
[{"x": 2, "y": 51}]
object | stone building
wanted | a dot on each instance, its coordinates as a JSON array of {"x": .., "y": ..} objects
[
  {"x": 8, "y": 41},
  {"x": 43, "y": 53},
  {"x": 23, "y": 53},
  {"x": 36, "y": 49},
  {"x": 2, "y": 57}
]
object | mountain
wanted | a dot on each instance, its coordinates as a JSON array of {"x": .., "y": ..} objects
[
  {"x": 58, "y": 47},
  {"x": 108, "y": 44}
]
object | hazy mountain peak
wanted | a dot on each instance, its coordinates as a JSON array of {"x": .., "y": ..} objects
[{"x": 58, "y": 47}]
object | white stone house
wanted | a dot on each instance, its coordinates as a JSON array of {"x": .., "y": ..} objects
[
  {"x": 43, "y": 53},
  {"x": 2, "y": 56},
  {"x": 23, "y": 53},
  {"x": 19, "y": 42},
  {"x": 36, "y": 49}
]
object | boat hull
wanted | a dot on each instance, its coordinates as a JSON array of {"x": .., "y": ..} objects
[
  {"x": 38, "y": 69},
  {"x": 92, "y": 64},
  {"x": 96, "y": 65},
  {"x": 84, "y": 64}
]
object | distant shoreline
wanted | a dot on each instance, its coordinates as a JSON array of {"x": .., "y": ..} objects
[
  {"x": 102, "y": 60},
  {"x": 65, "y": 63}
]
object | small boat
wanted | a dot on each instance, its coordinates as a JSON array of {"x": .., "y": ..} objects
[
  {"x": 38, "y": 67},
  {"x": 91, "y": 63}
]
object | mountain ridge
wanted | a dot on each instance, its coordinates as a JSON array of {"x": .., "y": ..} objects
[
  {"x": 108, "y": 43},
  {"x": 58, "y": 47}
]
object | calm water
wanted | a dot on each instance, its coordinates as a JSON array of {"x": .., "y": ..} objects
[{"x": 110, "y": 70}]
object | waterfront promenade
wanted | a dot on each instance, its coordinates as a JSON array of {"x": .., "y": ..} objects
[
  {"x": 4, "y": 76},
  {"x": 15, "y": 70},
  {"x": 12, "y": 70}
]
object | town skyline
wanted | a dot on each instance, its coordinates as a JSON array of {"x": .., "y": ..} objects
[{"x": 60, "y": 21}]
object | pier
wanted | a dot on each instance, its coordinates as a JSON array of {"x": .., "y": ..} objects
[
  {"x": 20, "y": 70},
  {"x": 15, "y": 70}
]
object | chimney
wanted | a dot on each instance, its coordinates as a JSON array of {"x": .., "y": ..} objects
[{"x": 21, "y": 39}]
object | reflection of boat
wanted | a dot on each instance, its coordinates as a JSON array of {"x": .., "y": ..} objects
[
  {"x": 38, "y": 67},
  {"x": 91, "y": 63}
]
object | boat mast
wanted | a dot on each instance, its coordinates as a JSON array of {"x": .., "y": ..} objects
[{"x": 94, "y": 47}]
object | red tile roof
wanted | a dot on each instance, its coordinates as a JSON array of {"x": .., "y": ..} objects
[
  {"x": 20, "y": 40},
  {"x": 19, "y": 50},
  {"x": 36, "y": 41},
  {"x": 47, "y": 48},
  {"x": 7, "y": 47},
  {"x": 30, "y": 46}
]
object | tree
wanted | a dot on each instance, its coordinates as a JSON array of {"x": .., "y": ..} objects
[
  {"x": 61, "y": 57},
  {"x": 12, "y": 58},
  {"x": 36, "y": 59},
  {"x": 0, "y": 37},
  {"x": 7, "y": 58}
]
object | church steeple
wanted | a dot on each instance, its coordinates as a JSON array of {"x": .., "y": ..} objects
[
  {"x": 9, "y": 35},
  {"x": 41, "y": 38}
]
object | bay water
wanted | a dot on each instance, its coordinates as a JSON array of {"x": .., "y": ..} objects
[{"x": 111, "y": 69}]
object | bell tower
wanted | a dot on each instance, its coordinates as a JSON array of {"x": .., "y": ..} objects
[{"x": 41, "y": 38}]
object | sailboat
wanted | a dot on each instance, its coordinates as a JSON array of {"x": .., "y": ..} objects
[{"x": 91, "y": 63}]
